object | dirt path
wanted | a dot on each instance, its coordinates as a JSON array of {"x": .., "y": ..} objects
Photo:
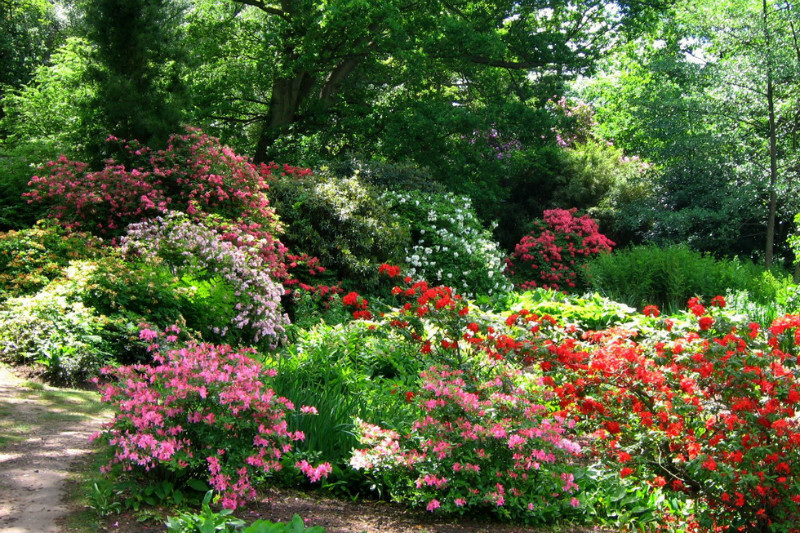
[{"x": 40, "y": 437}]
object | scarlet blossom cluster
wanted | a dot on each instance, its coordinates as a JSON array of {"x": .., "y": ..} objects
[
  {"x": 360, "y": 304},
  {"x": 550, "y": 256},
  {"x": 707, "y": 410},
  {"x": 200, "y": 408}
]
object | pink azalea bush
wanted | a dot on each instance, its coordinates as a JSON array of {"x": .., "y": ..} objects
[
  {"x": 203, "y": 410},
  {"x": 550, "y": 255},
  {"x": 478, "y": 444},
  {"x": 195, "y": 248},
  {"x": 194, "y": 174}
]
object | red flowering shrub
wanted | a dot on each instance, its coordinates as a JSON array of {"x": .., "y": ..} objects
[
  {"x": 700, "y": 406},
  {"x": 550, "y": 255},
  {"x": 203, "y": 410}
]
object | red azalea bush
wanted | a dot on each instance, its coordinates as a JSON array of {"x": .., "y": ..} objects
[
  {"x": 703, "y": 403},
  {"x": 203, "y": 410},
  {"x": 550, "y": 255},
  {"x": 700, "y": 406}
]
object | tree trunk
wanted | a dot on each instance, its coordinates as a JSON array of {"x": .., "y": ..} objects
[
  {"x": 287, "y": 96},
  {"x": 773, "y": 162}
]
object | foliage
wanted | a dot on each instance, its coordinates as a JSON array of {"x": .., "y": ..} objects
[
  {"x": 387, "y": 175},
  {"x": 206, "y": 521},
  {"x": 53, "y": 329},
  {"x": 643, "y": 275},
  {"x": 477, "y": 443},
  {"x": 203, "y": 410},
  {"x": 31, "y": 258},
  {"x": 551, "y": 255},
  {"x": 347, "y": 371},
  {"x": 587, "y": 312},
  {"x": 28, "y": 32},
  {"x": 448, "y": 242},
  {"x": 340, "y": 221},
  {"x": 209, "y": 521},
  {"x": 249, "y": 311},
  {"x": 42, "y": 120}
]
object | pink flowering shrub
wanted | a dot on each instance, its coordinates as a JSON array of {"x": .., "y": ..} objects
[
  {"x": 550, "y": 255},
  {"x": 491, "y": 445},
  {"x": 205, "y": 411},
  {"x": 195, "y": 174},
  {"x": 193, "y": 248}
]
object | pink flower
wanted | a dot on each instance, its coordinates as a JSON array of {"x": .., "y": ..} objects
[{"x": 433, "y": 505}]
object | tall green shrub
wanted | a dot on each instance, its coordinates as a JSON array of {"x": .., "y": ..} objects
[
  {"x": 669, "y": 276},
  {"x": 341, "y": 221}
]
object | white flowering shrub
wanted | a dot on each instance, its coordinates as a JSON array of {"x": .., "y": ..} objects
[
  {"x": 449, "y": 244},
  {"x": 191, "y": 248}
]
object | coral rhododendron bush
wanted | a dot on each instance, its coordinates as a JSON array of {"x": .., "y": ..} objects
[
  {"x": 551, "y": 254},
  {"x": 195, "y": 174}
]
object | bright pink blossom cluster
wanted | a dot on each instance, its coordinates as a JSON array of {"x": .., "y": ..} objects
[
  {"x": 550, "y": 255},
  {"x": 478, "y": 444},
  {"x": 194, "y": 248},
  {"x": 200, "y": 408}
]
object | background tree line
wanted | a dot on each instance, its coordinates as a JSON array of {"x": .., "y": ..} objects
[{"x": 667, "y": 121}]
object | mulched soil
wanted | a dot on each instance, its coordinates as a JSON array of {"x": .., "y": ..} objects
[{"x": 344, "y": 516}]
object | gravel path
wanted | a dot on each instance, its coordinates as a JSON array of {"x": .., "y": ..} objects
[{"x": 42, "y": 441}]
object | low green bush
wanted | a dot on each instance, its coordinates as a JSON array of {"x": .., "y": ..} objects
[
  {"x": 55, "y": 331},
  {"x": 32, "y": 257},
  {"x": 347, "y": 371},
  {"x": 669, "y": 276},
  {"x": 340, "y": 221}
]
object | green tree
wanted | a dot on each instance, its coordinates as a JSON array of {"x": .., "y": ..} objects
[
  {"x": 702, "y": 99},
  {"x": 29, "y": 31},
  {"x": 138, "y": 61},
  {"x": 50, "y": 116}
]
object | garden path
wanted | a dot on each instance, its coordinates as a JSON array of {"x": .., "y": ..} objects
[{"x": 38, "y": 443}]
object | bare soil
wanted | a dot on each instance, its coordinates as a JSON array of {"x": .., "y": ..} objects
[{"x": 39, "y": 442}]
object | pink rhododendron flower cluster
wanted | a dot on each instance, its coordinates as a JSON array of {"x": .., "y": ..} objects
[
  {"x": 549, "y": 256},
  {"x": 202, "y": 408},
  {"x": 475, "y": 444}
]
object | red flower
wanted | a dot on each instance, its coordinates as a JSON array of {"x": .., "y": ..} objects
[
  {"x": 710, "y": 464},
  {"x": 410, "y": 396},
  {"x": 718, "y": 301},
  {"x": 651, "y": 310},
  {"x": 351, "y": 298},
  {"x": 625, "y": 472},
  {"x": 706, "y": 322},
  {"x": 390, "y": 270}
]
